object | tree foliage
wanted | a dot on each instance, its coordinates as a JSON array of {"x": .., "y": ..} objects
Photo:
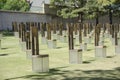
[
  {"x": 16, "y": 5},
  {"x": 72, "y": 8},
  {"x": 67, "y": 8}
]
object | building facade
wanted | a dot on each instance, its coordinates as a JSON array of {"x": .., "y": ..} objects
[{"x": 38, "y": 6}]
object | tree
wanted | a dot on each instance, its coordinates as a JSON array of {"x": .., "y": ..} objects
[
  {"x": 111, "y": 6},
  {"x": 2, "y": 3},
  {"x": 116, "y": 8},
  {"x": 93, "y": 9},
  {"x": 88, "y": 8},
  {"x": 16, "y": 5},
  {"x": 100, "y": 7},
  {"x": 68, "y": 8}
]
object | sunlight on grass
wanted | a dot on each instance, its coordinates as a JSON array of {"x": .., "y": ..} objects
[{"x": 15, "y": 66}]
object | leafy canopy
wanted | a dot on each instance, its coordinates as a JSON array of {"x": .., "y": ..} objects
[
  {"x": 16, "y": 5},
  {"x": 72, "y": 8}
]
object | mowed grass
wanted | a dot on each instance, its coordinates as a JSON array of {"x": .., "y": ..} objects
[{"x": 15, "y": 66}]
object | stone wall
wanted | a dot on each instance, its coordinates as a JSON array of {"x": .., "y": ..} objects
[
  {"x": 104, "y": 19},
  {"x": 7, "y": 17}
]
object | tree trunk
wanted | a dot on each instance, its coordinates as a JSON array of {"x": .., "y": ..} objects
[
  {"x": 97, "y": 17},
  {"x": 110, "y": 16}
]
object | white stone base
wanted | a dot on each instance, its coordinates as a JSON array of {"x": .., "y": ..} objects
[
  {"x": 113, "y": 41},
  {"x": 43, "y": 40},
  {"x": 28, "y": 54},
  {"x": 110, "y": 36},
  {"x": 87, "y": 40},
  {"x": 16, "y": 34},
  {"x": 40, "y": 63},
  {"x": 100, "y": 51},
  {"x": 45, "y": 33},
  {"x": 119, "y": 34},
  {"x": 101, "y": 38},
  {"x": 52, "y": 44},
  {"x": 83, "y": 46},
  {"x": 54, "y": 36},
  {"x": 91, "y": 34},
  {"x": 76, "y": 40},
  {"x": 58, "y": 37},
  {"x": 51, "y": 32},
  {"x": 64, "y": 33},
  {"x": 23, "y": 46},
  {"x": 57, "y": 32},
  {"x": 75, "y": 56},
  {"x": 63, "y": 39},
  {"x": 118, "y": 41},
  {"x": 117, "y": 49},
  {"x": 101, "y": 43},
  {"x": 106, "y": 35},
  {"x": 39, "y": 32},
  {"x": 20, "y": 42},
  {"x": 77, "y": 37}
]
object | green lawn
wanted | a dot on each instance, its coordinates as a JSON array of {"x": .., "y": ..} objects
[{"x": 15, "y": 66}]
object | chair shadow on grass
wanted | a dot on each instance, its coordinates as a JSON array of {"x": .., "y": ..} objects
[
  {"x": 79, "y": 75},
  {"x": 77, "y": 45},
  {"x": 4, "y": 48},
  {"x": 110, "y": 56},
  {"x": 59, "y": 47},
  {"x": 88, "y": 62},
  {"x": 89, "y": 49},
  {"x": 3, "y": 54},
  {"x": 8, "y": 47}
]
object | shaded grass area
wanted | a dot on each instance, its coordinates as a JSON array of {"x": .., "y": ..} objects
[
  {"x": 57, "y": 73},
  {"x": 15, "y": 66}
]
